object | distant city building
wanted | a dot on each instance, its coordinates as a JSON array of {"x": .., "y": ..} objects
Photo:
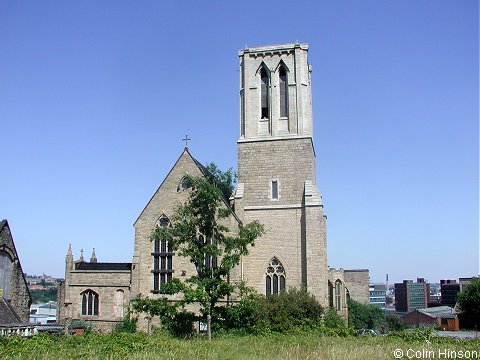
[
  {"x": 449, "y": 290},
  {"x": 378, "y": 294},
  {"x": 44, "y": 313},
  {"x": 464, "y": 282},
  {"x": 410, "y": 296}
]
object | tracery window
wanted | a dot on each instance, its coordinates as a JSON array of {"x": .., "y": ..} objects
[
  {"x": 90, "y": 303},
  {"x": 283, "y": 84},
  {"x": 265, "y": 98},
  {"x": 275, "y": 277},
  {"x": 162, "y": 259}
]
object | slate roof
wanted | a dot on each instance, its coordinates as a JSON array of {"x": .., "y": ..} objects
[
  {"x": 439, "y": 311},
  {"x": 2, "y": 224},
  {"x": 8, "y": 316},
  {"x": 102, "y": 266}
]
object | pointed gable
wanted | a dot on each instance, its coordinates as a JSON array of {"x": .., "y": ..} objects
[{"x": 168, "y": 190}]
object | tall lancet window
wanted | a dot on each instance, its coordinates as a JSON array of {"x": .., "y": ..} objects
[
  {"x": 283, "y": 84},
  {"x": 162, "y": 259},
  {"x": 275, "y": 277},
  {"x": 265, "y": 113}
]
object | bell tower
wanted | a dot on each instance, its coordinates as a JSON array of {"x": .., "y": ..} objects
[
  {"x": 275, "y": 92},
  {"x": 276, "y": 171}
]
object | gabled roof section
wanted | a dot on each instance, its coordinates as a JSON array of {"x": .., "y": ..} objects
[
  {"x": 8, "y": 316},
  {"x": 8, "y": 245},
  {"x": 202, "y": 169},
  {"x": 185, "y": 152},
  {"x": 2, "y": 224}
]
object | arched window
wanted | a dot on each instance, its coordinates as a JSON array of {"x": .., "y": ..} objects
[
  {"x": 162, "y": 259},
  {"x": 265, "y": 111},
  {"x": 338, "y": 295},
  {"x": 275, "y": 277},
  {"x": 90, "y": 303},
  {"x": 283, "y": 84}
]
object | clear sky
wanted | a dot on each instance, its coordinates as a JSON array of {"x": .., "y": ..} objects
[{"x": 95, "y": 97}]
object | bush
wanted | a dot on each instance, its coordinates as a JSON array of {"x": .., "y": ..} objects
[
  {"x": 333, "y": 320},
  {"x": 247, "y": 316},
  {"x": 393, "y": 323},
  {"x": 283, "y": 313},
  {"x": 291, "y": 310},
  {"x": 127, "y": 325},
  {"x": 180, "y": 324},
  {"x": 362, "y": 316}
]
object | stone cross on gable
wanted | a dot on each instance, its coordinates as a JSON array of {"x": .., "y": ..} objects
[{"x": 186, "y": 139}]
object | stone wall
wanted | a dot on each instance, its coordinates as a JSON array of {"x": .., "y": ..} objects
[
  {"x": 18, "y": 295},
  {"x": 357, "y": 282},
  {"x": 113, "y": 289}
]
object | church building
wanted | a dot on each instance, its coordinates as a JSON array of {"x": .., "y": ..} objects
[{"x": 276, "y": 185}]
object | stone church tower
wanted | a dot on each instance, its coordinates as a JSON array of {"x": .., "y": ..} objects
[
  {"x": 276, "y": 185},
  {"x": 276, "y": 172}
]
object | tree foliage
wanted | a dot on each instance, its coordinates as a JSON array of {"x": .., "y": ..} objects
[
  {"x": 287, "y": 312},
  {"x": 43, "y": 296},
  {"x": 223, "y": 180},
  {"x": 196, "y": 233},
  {"x": 333, "y": 320},
  {"x": 469, "y": 302},
  {"x": 363, "y": 316}
]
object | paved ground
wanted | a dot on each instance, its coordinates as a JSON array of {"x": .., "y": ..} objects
[{"x": 459, "y": 334}]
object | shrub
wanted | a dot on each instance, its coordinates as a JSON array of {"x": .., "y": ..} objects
[
  {"x": 180, "y": 324},
  {"x": 127, "y": 325},
  {"x": 333, "y": 320},
  {"x": 247, "y": 316},
  {"x": 286, "y": 312},
  {"x": 362, "y": 316}
]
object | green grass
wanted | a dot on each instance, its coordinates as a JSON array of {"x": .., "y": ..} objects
[{"x": 142, "y": 346}]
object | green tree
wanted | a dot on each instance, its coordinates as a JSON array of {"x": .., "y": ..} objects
[
  {"x": 469, "y": 302},
  {"x": 196, "y": 232},
  {"x": 333, "y": 320},
  {"x": 223, "y": 180},
  {"x": 43, "y": 296},
  {"x": 363, "y": 316}
]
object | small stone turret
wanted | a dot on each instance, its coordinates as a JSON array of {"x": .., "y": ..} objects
[
  {"x": 93, "y": 258},
  {"x": 69, "y": 258}
]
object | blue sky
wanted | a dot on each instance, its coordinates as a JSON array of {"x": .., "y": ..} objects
[{"x": 95, "y": 97}]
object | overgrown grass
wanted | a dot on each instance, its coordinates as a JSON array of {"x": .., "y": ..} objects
[{"x": 299, "y": 346}]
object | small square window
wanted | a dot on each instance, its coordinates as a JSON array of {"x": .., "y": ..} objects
[{"x": 274, "y": 190}]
